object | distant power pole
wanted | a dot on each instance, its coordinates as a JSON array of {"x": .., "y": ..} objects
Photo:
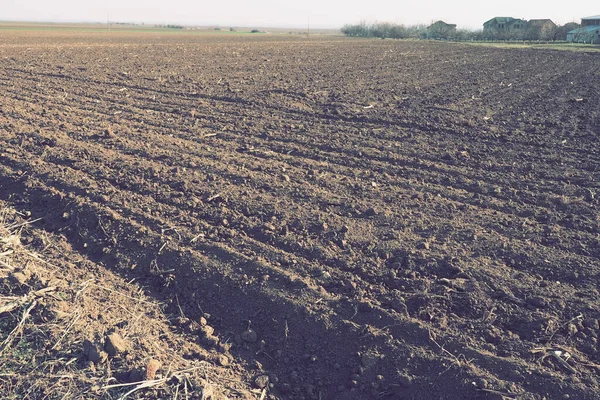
[{"x": 308, "y": 27}]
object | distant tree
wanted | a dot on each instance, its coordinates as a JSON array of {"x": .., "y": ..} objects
[
  {"x": 548, "y": 31},
  {"x": 417, "y": 31},
  {"x": 478, "y": 35},
  {"x": 398, "y": 31},
  {"x": 358, "y": 30},
  {"x": 378, "y": 29},
  {"x": 561, "y": 32},
  {"x": 465, "y": 35},
  {"x": 540, "y": 31},
  {"x": 533, "y": 33}
]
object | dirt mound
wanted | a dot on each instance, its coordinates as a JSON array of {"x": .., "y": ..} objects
[{"x": 346, "y": 218}]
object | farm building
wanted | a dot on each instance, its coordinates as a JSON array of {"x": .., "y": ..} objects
[
  {"x": 591, "y": 21},
  {"x": 441, "y": 30},
  {"x": 588, "y": 33},
  {"x": 504, "y": 27}
]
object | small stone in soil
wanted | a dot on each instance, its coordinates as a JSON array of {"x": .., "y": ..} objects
[
  {"x": 269, "y": 227},
  {"x": 370, "y": 212},
  {"x": 538, "y": 301},
  {"x": 369, "y": 358},
  {"x": 572, "y": 329},
  {"x": 261, "y": 381},
  {"x": 249, "y": 336},
  {"x": 94, "y": 352},
  {"x": 223, "y": 361},
  {"x": 211, "y": 341},
  {"x": 399, "y": 306},
  {"x": 151, "y": 369},
  {"x": 481, "y": 383},
  {"x": 115, "y": 344},
  {"x": 207, "y": 330}
]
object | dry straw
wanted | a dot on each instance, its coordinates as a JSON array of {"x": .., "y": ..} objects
[{"x": 41, "y": 349}]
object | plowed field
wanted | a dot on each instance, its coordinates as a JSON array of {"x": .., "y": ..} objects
[{"x": 358, "y": 219}]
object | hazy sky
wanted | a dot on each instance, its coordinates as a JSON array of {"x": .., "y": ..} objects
[{"x": 294, "y": 13}]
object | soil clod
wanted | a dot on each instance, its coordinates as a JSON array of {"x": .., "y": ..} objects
[
  {"x": 261, "y": 381},
  {"x": 94, "y": 352},
  {"x": 151, "y": 369},
  {"x": 115, "y": 344}
]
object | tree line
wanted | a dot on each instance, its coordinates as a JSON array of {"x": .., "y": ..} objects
[
  {"x": 385, "y": 30},
  {"x": 398, "y": 31}
]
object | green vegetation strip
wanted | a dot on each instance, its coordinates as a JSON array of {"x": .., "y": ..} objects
[{"x": 548, "y": 46}]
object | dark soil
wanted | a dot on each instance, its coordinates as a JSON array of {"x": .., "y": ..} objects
[{"x": 358, "y": 218}]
